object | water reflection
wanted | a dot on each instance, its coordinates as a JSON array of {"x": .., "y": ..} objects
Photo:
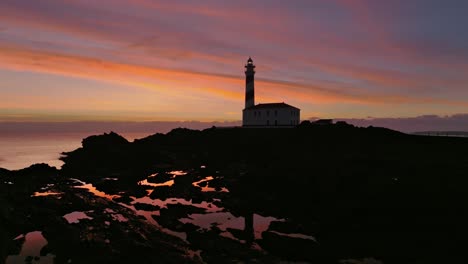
[
  {"x": 178, "y": 173},
  {"x": 252, "y": 224},
  {"x": 115, "y": 216},
  {"x": 246, "y": 228},
  {"x": 93, "y": 190},
  {"x": 295, "y": 235},
  {"x": 75, "y": 217},
  {"x": 47, "y": 193},
  {"x": 208, "y": 206},
  {"x": 204, "y": 188},
  {"x": 146, "y": 183},
  {"x": 207, "y": 188},
  {"x": 148, "y": 216},
  {"x": 31, "y": 248}
]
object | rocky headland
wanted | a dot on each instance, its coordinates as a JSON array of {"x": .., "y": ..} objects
[{"x": 313, "y": 194}]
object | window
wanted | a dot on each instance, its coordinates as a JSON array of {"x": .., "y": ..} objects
[
  {"x": 259, "y": 113},
  {"x": 268, "y": 122},
  {"x": 268, "y": 112},
  {"x": 276, "y": 112},
  {"x": 276, "y": 122}
]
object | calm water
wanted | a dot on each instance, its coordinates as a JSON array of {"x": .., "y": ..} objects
[{"x": 20, "y": 151}]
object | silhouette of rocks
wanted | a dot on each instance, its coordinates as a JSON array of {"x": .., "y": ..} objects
[
  {"x": 238, "y": 233},
  {"x": 123, "y": 199},
  {"x": 169, "y": 217},
  {"x": 363, "y": 192},
  {"x": 218, "y": 249},
  {"x": 289, "y": 248},
  {"x": 88, "y": 241},
  {"x": 160, "y": 178},
  {"x": 290, "y": 228}
]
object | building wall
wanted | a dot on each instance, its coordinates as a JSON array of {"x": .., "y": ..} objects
[{"x": 271, "y": 117}]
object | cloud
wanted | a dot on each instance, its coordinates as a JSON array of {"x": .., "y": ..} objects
[
  {"x": 313, "y": 52},
  {"x": 155, "y": 78}
]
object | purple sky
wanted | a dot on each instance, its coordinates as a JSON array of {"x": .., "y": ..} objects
[{"x": 145, "y": 60}]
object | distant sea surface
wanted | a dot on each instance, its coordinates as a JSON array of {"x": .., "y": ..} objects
[
  {"x": 23, "y": 150},
  {"x": 25, "y": 143}
]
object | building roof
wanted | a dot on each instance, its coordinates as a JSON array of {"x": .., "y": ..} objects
[{"x": 272, "y": 105}]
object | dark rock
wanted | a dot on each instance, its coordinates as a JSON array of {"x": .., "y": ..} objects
[
  {"x": 14, "y": 247},
  {"x": 137, "y": 191},
  {"x": 218, "y": 249},
  {"x": 123, "y": 199},
  {"x": 238, "y": 233},
  {"x": 289, "y": 227},
  {"x": 160, "y": 178},
  {"x": 215, "y": 228},
  {"x": 45, "y": 250},
  {"x": 289, "y": 248}
]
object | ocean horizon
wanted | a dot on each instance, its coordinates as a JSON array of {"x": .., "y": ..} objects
[
  {"x": 19, "y": 151},
  {"x": 23, "y": 144}
]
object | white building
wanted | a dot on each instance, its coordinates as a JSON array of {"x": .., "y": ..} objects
[{"x": 265, "y": 115}]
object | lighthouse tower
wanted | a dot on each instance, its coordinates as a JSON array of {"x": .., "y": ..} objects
[
  {"x": 249, "y": 84},
  {"x": 267, "y": 114}
]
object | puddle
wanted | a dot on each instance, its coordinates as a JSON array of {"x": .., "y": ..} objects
[
  {"x": 93, "y": 190},
  {"x": 75, "y": 217},
  {"x": 148, "y": 216},
  {"x": 204, "y": 188},
  {"x": 178, "y": 173},
  {"x": 119, "y": 218},
  {"x": 207, "y": 188},
  {"x": 48, "y": 193},
  {"x": 19, "y": 237},
  {"x": 166, "y": 183},
  {"x": 115, "y": 216},
  {"x": 302, "y": 236},
  {"x": 213, "y": 214},
  {"x": 146, "y": 183},
  {"x": 34, "y": 242},
  {"x": 209, "y": 207},
  {"x": 225, "y": 220}
]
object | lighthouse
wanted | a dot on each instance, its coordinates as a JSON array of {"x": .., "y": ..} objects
[
  {"x": 249, "y": 83},
  {"x": 265, "y": 115}
]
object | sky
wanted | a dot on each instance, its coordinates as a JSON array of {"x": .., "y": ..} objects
[{"x": 149, "y": 60}]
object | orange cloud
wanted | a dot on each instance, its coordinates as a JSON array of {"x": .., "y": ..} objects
[{"x": 186, "y": 83}]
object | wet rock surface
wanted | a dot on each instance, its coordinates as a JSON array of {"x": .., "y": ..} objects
[
  {"x": 333, "y": 194},
  {"x": 294, "y": 249}
]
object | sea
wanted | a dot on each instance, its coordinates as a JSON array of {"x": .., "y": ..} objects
[
  {"x": 25, "y": 143},
  {"x": 19, "y": 151}
]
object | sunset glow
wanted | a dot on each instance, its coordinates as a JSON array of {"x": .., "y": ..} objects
[{"x": 147, "y": 60}]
